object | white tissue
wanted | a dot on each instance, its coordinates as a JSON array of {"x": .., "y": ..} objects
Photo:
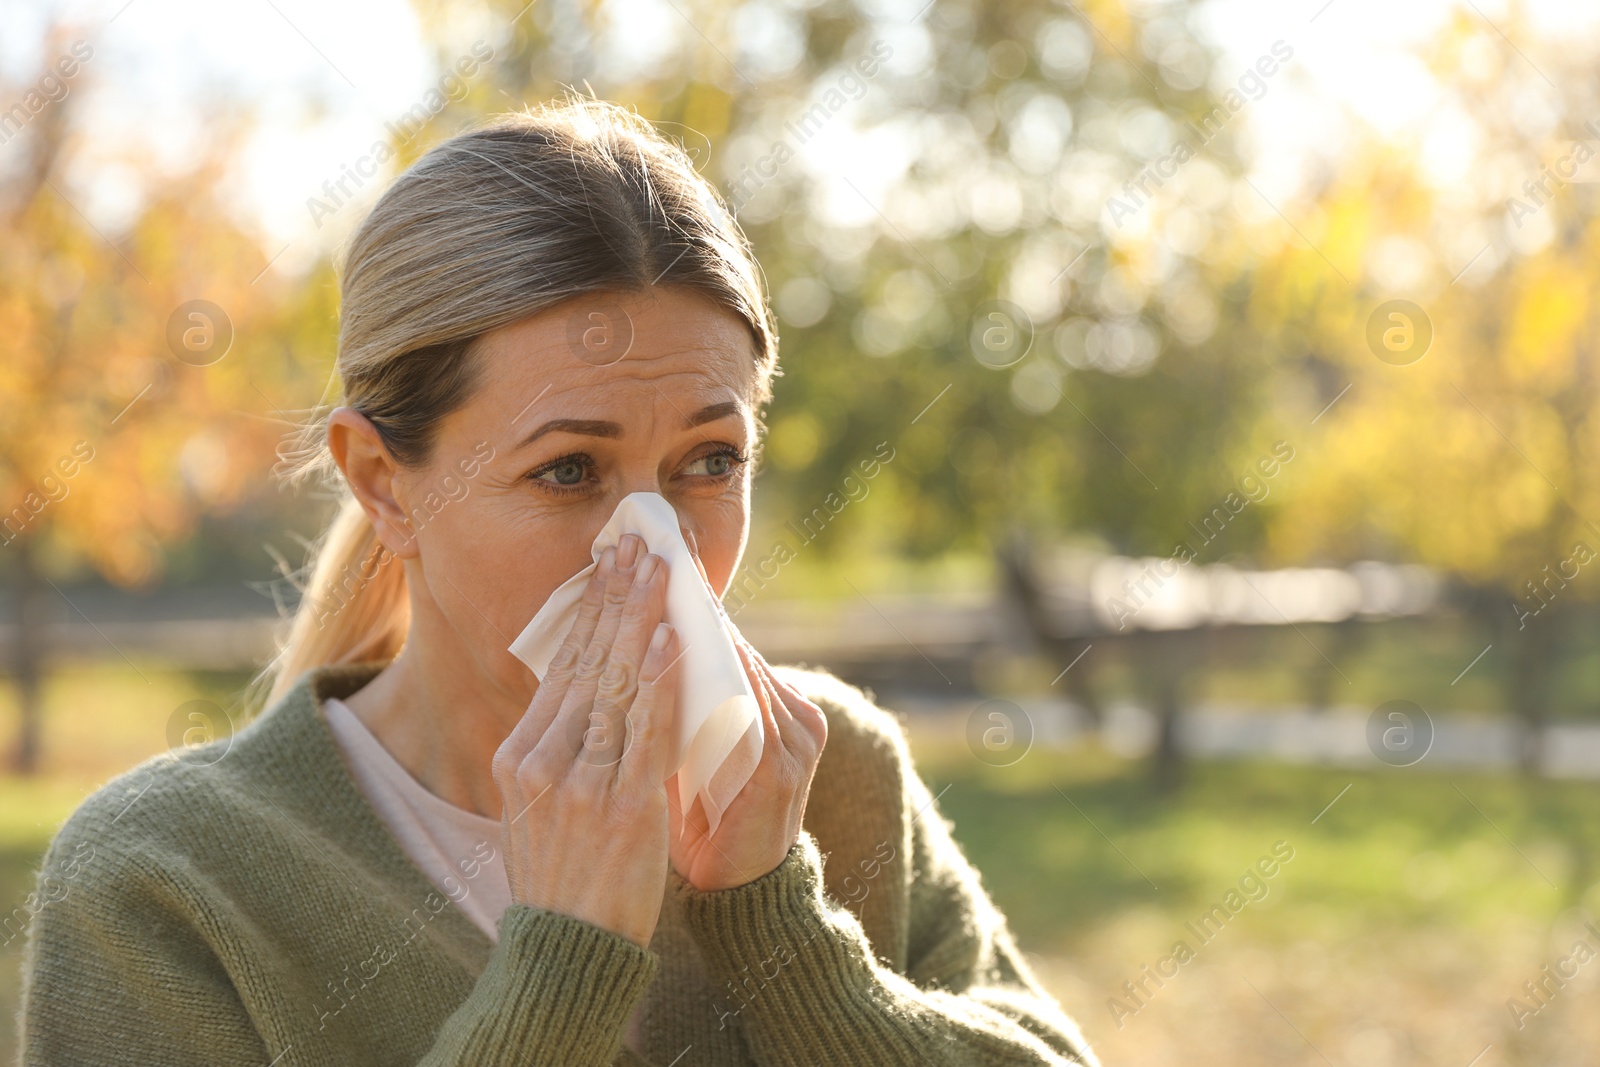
[{"x": 719, "y": 734}]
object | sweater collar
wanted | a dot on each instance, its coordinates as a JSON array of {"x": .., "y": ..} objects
[{"x": 295, "y": 748}]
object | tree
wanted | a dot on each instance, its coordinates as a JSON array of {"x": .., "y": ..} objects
[
  {"x": 1467, "y": 438},
  {"x": 137, "y": 361}
]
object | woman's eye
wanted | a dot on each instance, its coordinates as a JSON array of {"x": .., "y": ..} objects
[
  {"x": 567, "y": 472},
  {"x": 714, "y": 464}
]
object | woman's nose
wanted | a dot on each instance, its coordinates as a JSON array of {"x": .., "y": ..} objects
[{"x": 650, "y": 484}]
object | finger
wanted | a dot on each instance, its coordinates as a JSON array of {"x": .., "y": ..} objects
[
  {"x": 610, "y": 721},
  {"x": 582, "y": 629},
  {"x": 762, "y": 670},
  {"x": 795, "y": 703},
  {"x": 627, "y": 556},
  {"x": 674, "y": 809},
  {"x": 564, "y": 738},
  {"x": 793, "y": 699},
  {"x": 765, "y": 699},
  {"x": 804, "y": 714},
  {"x": 654, "y": 711},
  {"x": 802, "y": 725},
  {"x": 552, "y": 687}
]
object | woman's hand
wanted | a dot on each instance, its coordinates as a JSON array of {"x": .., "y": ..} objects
[
  {"x": 763, "y": 821},
  {"x": 581, "y": 776}
]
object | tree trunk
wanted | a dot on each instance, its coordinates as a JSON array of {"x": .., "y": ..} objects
[
  {"x": 1024, "y": 602},
  {"x": 1166, "y": 666},
  {"x": 1345, "y": 639},
  {"x": 1079, "y": 682},
  {"x": 29, "y": 658},
  {"x": 1528, "y": 640},
  {"x": 1529, "y": 684}
]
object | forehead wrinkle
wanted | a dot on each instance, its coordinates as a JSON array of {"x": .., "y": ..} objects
[
  {"x": 554, "y": 375},
  {"x": 556, "y": 363},
  {"x": 701, "y": 385},
  {"x": 588, "y": 402}
]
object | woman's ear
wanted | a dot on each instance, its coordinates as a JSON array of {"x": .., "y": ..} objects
[{"x": 373, "y": 476}]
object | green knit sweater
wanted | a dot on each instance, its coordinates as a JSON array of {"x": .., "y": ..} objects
[{"x": 255, "y": 910}]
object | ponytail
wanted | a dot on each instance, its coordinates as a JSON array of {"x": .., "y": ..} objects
[{"x": 353, "y": 608}]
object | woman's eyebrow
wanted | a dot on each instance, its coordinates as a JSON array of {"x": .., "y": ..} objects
[
  {"x": 601, "y": 428},
  {"x": 713, "y": 412},
  {"x": 586, "y": 427}
]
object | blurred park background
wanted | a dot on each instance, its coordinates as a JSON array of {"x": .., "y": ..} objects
[{"x": 1229, "y": 368}]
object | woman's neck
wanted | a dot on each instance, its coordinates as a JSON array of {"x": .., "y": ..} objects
[{"x": 442, "y": 722}]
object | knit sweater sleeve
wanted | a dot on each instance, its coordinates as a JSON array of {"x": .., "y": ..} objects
[
  {"x": 123, "y": 965},
  {"x": 815, "y": 993},
  {"x": 556, "y": 991}
]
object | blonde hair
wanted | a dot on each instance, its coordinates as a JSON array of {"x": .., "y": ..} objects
[{"x": 488, "y": 228}]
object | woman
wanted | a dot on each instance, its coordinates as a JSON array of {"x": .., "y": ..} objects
[{"x": 415, "y": 855}]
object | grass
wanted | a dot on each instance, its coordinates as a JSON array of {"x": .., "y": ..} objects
[
  {"x": 1067, "y": 839},
  {"x": 1412, "y": 908}
]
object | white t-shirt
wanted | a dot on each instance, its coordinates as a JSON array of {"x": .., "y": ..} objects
[{"x": 459, "y": 850}]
